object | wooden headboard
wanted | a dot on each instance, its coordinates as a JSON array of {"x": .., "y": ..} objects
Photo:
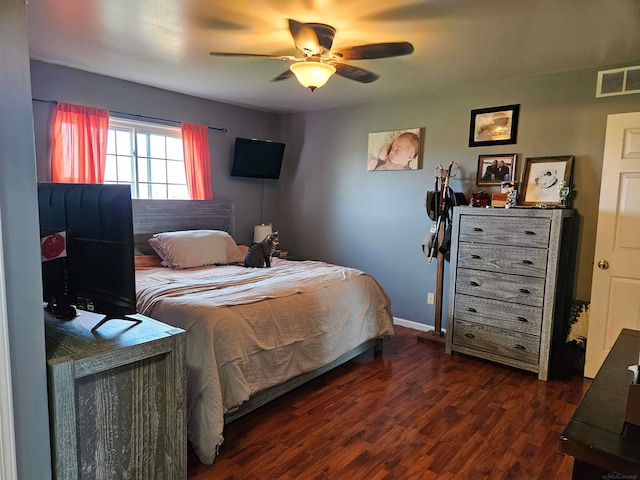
[{"x": 156, "y": 216}]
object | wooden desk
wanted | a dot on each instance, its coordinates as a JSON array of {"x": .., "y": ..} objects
[
  {"x": 595, "y": 435},
  {"x": 117, "y": 399}
]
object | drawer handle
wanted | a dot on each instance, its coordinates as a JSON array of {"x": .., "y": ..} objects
[
  {"x": 474, "y": 284},
  {"x": 517, "y": 346},
  {"x": 477, "y": 229},
  {"x": 472, "y": 310},
  {"x": 529, "y": 232},
  {"x": 527, "y": 262},
  {"x": 469, "y": 335},
  {"x": 522, "y": 319},
  {"x": 524, "y": 290},
  {"x": 476, "y": 257}
]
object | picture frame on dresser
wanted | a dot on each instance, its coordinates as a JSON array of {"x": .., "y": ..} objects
[
  {"x": 547, "y": 181},
  {"x": 496, "y": 169}
]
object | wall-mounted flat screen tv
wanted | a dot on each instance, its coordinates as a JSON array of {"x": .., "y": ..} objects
[{"x": 257, "y": 158}]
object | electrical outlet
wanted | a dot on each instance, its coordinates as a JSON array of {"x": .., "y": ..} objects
[
  {"x": 430, "y": 298},
  {"x": 433, "y": 228}
]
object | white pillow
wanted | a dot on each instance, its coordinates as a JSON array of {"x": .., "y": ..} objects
[
  {"x": 195, "y": 248},
  {"x": 157, "y": 247}
]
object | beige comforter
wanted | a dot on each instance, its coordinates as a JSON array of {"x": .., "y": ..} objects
[{"x": 250, "y": 329}]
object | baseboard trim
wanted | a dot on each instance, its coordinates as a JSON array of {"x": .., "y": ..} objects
[{"x": 415, "y": 325}]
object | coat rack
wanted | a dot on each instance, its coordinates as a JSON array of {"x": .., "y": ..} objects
[{"x": 445, "y": 202}]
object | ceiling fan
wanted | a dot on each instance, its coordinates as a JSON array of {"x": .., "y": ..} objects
[{"x": 316, "y": 61}]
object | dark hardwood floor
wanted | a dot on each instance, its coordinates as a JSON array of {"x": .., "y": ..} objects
[{"x": 410, "y": 413}]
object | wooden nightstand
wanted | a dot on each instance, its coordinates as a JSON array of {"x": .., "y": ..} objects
[{"x": 117, "y": 398}]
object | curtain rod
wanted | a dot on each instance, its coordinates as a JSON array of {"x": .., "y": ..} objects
[{"x": 136, "y": 116}]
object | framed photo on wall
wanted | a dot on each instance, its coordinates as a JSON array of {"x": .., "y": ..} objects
[
  {"x": 495, "y": 169},
  {"x": 547, "y": 180},
  {"x": 395, "y": 150},
  {"x": 494, "y": 126}
]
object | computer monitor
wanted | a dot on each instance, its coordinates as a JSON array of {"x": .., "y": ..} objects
[{"x": 96, "y": 270}]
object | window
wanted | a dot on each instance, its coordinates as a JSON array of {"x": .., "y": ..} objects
[{"x": 148, "y": 157}]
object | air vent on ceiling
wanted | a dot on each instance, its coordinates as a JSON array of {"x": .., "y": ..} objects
[{"x": 619, "y": 81}]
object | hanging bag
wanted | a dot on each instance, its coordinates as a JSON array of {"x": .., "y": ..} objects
[{"x": 432, "y": 203}]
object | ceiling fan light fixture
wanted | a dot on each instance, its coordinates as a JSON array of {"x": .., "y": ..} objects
[{"x": 312, "y": 74}]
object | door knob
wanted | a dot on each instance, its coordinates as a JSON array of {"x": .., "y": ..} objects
[{"x": 603, "y": 264}]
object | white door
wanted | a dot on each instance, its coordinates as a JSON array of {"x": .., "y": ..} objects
[{"x": 615, "y": 291}]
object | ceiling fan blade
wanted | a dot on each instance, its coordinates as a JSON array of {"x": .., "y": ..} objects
[
  {"x": 312, "y": 38},
  {"x": 374, "y": 50},
  {"x": 355, "y": 73},
  {"x": 287, "y": 74},
  {"x": 258, "y": 55}
]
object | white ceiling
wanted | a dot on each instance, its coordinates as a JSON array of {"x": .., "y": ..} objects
[{"x": 166, "y": 43}]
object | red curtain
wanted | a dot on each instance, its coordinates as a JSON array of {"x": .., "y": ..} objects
[
  {"x": 195, "y": 142},
  {"x": 79, "y": 144}
]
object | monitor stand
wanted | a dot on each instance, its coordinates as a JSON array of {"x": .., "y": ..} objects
[{"x": 107, "y": 318}]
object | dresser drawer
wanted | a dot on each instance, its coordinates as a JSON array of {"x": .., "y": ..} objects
[
  {"x": 505, "y": 230},
  {"x": 500, "y": 286},
  {"x": 509, "y": 316},
  {"x": 505, "y": 259},
  {"x": 498, "y": 341}
]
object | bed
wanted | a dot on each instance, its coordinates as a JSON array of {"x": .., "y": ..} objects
[{"x": 252, "y": 334}]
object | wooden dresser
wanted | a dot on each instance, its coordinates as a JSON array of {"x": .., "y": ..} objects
[
  {"x": 117, "y": 402},
  {"x": 511, "y": 284}
]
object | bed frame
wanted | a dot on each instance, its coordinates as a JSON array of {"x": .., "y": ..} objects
[
  {"x": 156, "y": 216},
  {"x": 265, "y": 396}
]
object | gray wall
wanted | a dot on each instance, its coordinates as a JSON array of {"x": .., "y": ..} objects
[
  {"x": 327, "y": 206},
  {"x": 335, "y": 210},
  {"x": 52, "y": 82},
  {"x": 20, "y": 232}
]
